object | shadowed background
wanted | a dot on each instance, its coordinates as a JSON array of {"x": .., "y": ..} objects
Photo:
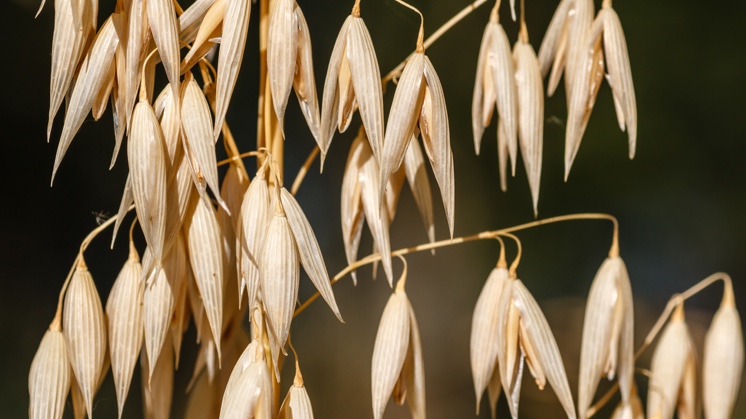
[{"x": 680, "y": 202}]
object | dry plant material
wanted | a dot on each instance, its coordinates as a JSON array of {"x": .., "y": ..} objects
[
  {"x": 289, "y": 63},
  {"x": 248, "y": 393},
  {"x": 419, "y": 100},
  {"x": 158, "y": 390},
  {"x": 206, "y": 258},
  {"x": 607, "y": 347},
  {"x": 530, "y": 112},
  {"x": 138, "y": 37},
  {"x": 297, "y": 404},
  {"x": 484, "y": 325},
  {"x": 210, "y": 29},
  {"x": 124, "y": 311},
  {"x": 352, "y": 80},
  {"x": 674, "y": 372},
  {"x": 84, "y": 327},
  {"x": 397, "y": 367},
  {"x": 722, "y": 368},
  {"x": 158, "y": 309},
  {"x": 255, "y": 217},
  {"x": 232, "y": 45},
  {"x": 495, "y": 86},
  {"x": 165, "y": 30},
  {"x": 630, "y": 410},
  {"x": 604, "y": 39},
  {"x": 90, "y": 80},
  {"x": 146, "y": 156},
  {"x": 523, "y": 334},
  {"x": 49, "y": 377}
]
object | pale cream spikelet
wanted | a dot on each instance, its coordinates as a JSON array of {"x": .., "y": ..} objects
[
  {"x": 200, "y": 143},
  {"x": 495, "y": 86},
  {"x": 397, "y": 366},
  {"x": 248, "y": 393},
  {"x": 205, "y": 255},
  {"x": 524, "y": 334},
  {"x": 210, "y": 28},
  {"x": 620, "y": 74},
  {"x": 158, "y": 391},
  {"x": 630, "y": 410},
  {"x": 179, "y": 260},
  {"x": 165, "y": 30},
  {"x": 419, "y": 99},
  {"x": 554, "y": 41},
  {"x": 530, "y": 112},
  {"x": 723, "y": 359},
  {"x": 101, "y": 100},
  {"x": 191, "y": 20},
  {"x": 353, "y": 79},
  {"x": 607, "y": 347},
  {"x": 279, "y": 278},
  {"x": 484, "y": 325},
  {"x": 494, "y": 388},
  {"x": 351, "y": 211},
  {"x": 289, "y": 62},
  {"x": 124, "y": 312},
  {"x": 230, "y": 55},
  {"x": 297, "y": 404},
  {"x": 158, "y": 309},
  {"x": 138, "y": 38},
  {"x": 502, "y": 157},
  {"x": 146, "y": 156},
  {"x": 674, "y": 363},
  {"x": 308, "y": 249},
  {"x": 68, "y": 45},
  {"x": 576, "y": 23},
  {"x": 255, "y": 217},
  {"x": 49, "y": 377},
  {"x": 419, "y": 183},
  {"x": 91, "y": 77},
  {"x": 84, "y": 327}
]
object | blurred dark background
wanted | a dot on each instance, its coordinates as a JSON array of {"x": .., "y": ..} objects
[{"x": 680, "y": 203}]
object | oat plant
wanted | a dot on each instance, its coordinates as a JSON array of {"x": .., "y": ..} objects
[{"x": 224, "y": 255}]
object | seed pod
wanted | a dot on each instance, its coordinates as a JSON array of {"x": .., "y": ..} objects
[
  {"x": 297, "y": 404},
  {"x": 722, "y": 368},
  {"x": 84, "y": 327},
  {"x": 49, "y": 378},
  {"x": 124, "y": 311}
]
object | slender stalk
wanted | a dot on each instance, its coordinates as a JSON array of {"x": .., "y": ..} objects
[
  {"x": 458, "y": 240},
  {"x": 517, "y": 260},
  {"x": 304, "y": 170}
]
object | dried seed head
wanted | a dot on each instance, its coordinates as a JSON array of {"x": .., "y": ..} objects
[
  {"x": 484, "y": 325},
  {"x": 297, "y": 404},
  {"x": 49, "y": 378},
  {"x": 608, "y": 333},
  {"x": 248, "y": 393},
  {"x": 523, "y": 333},
  {"x": 124, "y": 312},
  {"x": 158, "y": 309},
  {"x": 673, "y": 357},
  {"x": 165, "y": 30},
  {"x": 84, "y": 327},
  {"x": 722, "y": 369},
  {"x": 255, "y": 218}
]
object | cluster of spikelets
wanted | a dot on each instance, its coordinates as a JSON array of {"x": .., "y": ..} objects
[
  {"x": 509, "y": 328},
  {"x": 200, "y": 260},
  {"x": 586, "y": 49}
]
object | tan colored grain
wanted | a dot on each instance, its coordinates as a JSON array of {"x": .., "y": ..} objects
[{"x": 49, "y": 378}]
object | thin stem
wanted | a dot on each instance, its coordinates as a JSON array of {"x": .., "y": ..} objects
[
  {"x": 421, "y": 33},
  {"x": 434, "y": 37},
  {"x": 523, "y": 33},
  {"x": 501, "y": 261},
  {"x": 304, "y": 170},
  {"x": 78, "y": 262},
  {"x": 356, "y": 9},
  {"x": 239, "y": 157},
  {"x": 673, "y": 302},
  {"x": 403, "y": 279},
  {"x": 458, "y": 240},
  {"x": 517, "y": 260},
  {"x": 133, "y": 249}
]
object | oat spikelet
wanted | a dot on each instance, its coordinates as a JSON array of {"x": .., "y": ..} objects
[
  {"x": 206, "y": 258},
  {"x": 248, "y": 393},
  {"x": 722, "y": 369},
  {"x": 289, "y": 62},
  {"x": 49, "y": 377},
  {"x": 192, "y": 18},
  {"x": 495, "y": 86},
  {"x": 308, "y": 249},
  {"x": 530, "y": 113},
  {"x": 138, "y": 37},
  {"x": 523, "y": 334},
  {"x": 210, "y": 27},
  {"x": 235, "y": 29},
  {"x": 673, "y": 357},
  {"x": 352, "y": 78},
  {"x": 91, "y": 78},
  {"x": 124, "y": 312},
  {"x": 147, "y": 163},
  {"x": 200, "y": 144},
  {"x": 553, "y": 37},
  {"x": 484, "y": 326},
  {"x": 419, "y": 183},
  {"x": 351, "y": 211},
  {"x": 256, "y": 215},
  {"x": 158, "y": 309},
  {"x": 165, "y": 30},
  {"x": 84, "y": 327},
  {"x": 158, "y": 392},
  {"x": 608, "y": 333},
  {"x": 297, "y": 404},
  {"x": 397, "y": 367}
]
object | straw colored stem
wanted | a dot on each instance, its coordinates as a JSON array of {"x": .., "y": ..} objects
[{"x": 304, "y": 170}]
